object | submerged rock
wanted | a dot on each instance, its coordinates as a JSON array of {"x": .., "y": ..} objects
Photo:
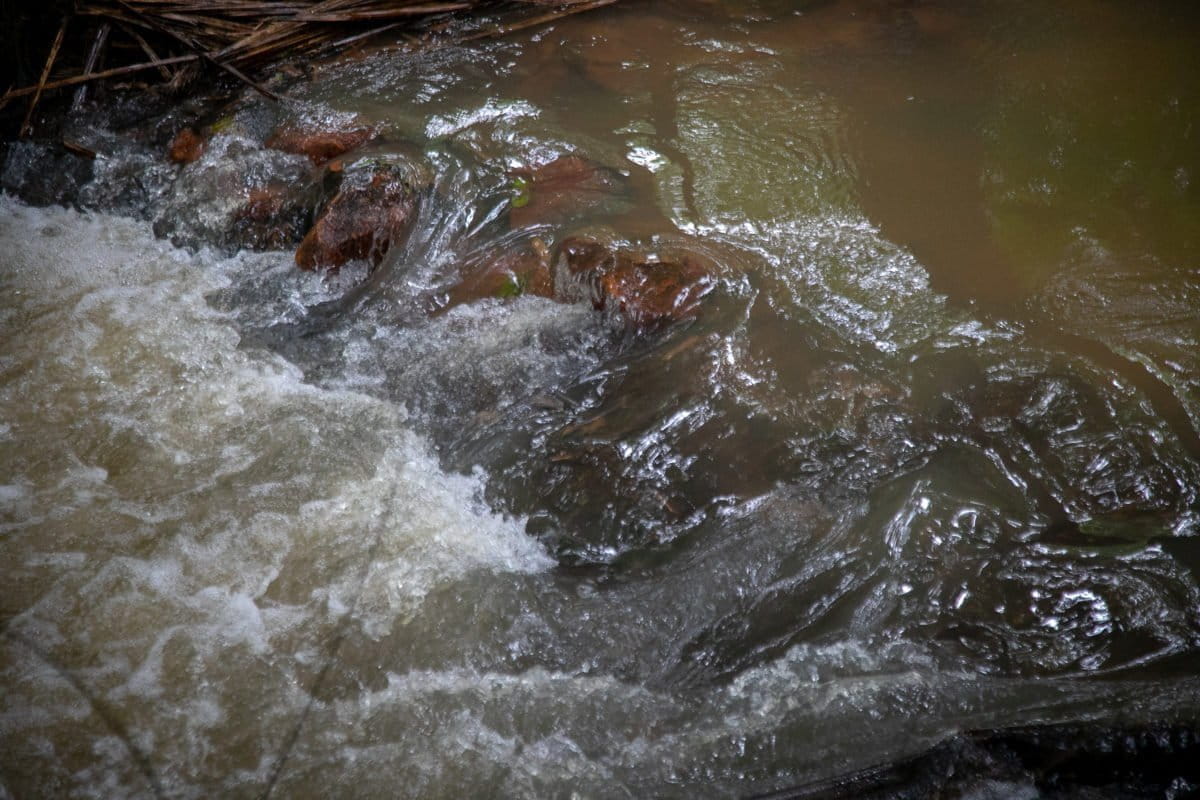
[
  {"x": 186, "y": 147},
  {"x": 42, "y": 173},
  {"x": 238, "y": 195},
  {"x": 647, "y": 288},
  {"x": 127, "y": 183},
  {"x": 1091, "y": 759},
  {"x": 526, "y": 270},
  {"x": 319, "y": 143},
  {"x": 272, "y": 217},
  {"x": 372, "y": 212},
  {"x": 563, "y": 189}
]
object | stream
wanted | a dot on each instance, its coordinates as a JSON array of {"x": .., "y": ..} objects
[{"x": 925, "y": 460}]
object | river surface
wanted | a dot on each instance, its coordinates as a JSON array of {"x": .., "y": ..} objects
[{"x": 927, "y": 460}]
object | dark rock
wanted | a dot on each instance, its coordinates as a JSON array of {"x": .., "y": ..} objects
[
  {"x": 186, "y": 147},
  {"x": 43, "y": 173},
  {"x": 127, "y": 183},
  {"x": 319, "y": 144},
  {"x": 372, "y": 212},
  {"x": 563, "y": 189},
  {"x": 1096, "y": 759}
]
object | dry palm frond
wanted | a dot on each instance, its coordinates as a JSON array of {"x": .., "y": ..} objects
[
  {"x": 242, "y": 36},
  {"x": 246, "y": 33}
]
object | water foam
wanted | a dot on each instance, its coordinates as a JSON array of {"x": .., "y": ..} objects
[{"x": 186, "y": 520}]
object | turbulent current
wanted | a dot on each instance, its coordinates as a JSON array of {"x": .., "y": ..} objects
[{"x": 926, "y": 460}]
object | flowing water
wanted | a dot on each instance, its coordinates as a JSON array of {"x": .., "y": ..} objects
[{"x": 927, "y": 460}]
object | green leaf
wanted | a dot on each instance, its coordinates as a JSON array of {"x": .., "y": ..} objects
[
  {"x": 522, "y": 192},
  {"x": 510, "y": 288}
]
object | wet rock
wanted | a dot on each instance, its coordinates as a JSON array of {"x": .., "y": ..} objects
[
  {"x": 648, "y": 293},
  {"x": 127, "y": 182},
  {"x": 526, "y": 270},
  {"x": 583, "y": 255},
  {"x": 565, "y": 188},
  {"x": 271, "y": 218},
  {"x": 648, "y": 289},
  {"x": 1094, "y": 759},
  {"x": 43, "y": 173},
  {"x": 320, "y": 144},
  {"x": 129, "y": 172},
  {"x": 186, "y": 147},
  {"x": 238, "y": 195},
  {"x": 372, "y": 212}
]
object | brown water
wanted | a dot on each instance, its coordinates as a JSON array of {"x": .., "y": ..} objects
[{"x": 928, "y": 459}]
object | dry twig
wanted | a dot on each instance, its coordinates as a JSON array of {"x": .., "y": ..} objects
[{"x": 27, "y": 123}]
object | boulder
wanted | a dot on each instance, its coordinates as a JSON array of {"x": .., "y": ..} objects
[
  {"x": 648, "y": 293},
  {"x": 372, "y": 212},
  {"x": 270, "y": 218},
  {"x": 583, "y": 255},
  {"x": 647, "y": 289}
]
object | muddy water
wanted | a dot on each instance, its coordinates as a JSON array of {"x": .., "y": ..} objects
[{"x": 926, "y": 461}]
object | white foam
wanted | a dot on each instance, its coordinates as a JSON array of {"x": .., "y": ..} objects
[
  {"x": 12, "y": 493},
  {"x": 490, "y": 112},
  {"x": 194, "y": 517}
]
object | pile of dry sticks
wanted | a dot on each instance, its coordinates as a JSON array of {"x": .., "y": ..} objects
[{"x": 177, "y": 37}]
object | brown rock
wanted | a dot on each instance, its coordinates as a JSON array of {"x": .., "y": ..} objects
[
  {"x": 186, "y": 147},
  {"x": 651, "y": 293},
  {"x": 582, "y": 255},
  {"x": 246, "y": 198},
  {"x": 647, "y": 289},
  {"x": 319, "y": 144},
  {"x": 370, "y": 213},
  {"x": 263, "y": 203},
  {"x": 271, "y": 218},
  {"x": 564, "y": 188},
  {"x": 510, "y": 274}
]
